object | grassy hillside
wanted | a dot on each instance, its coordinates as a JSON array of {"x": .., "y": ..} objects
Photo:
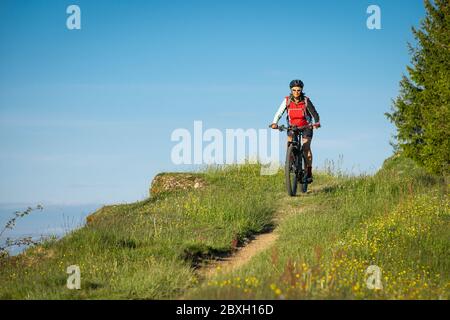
[
  {"x": 397, "y": 219},
  {"x": 148, "y": 249}
]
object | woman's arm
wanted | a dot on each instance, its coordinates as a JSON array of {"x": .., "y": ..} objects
[
  {"x": 312, "y": 110},
  {"x": 280, "y": 112}
]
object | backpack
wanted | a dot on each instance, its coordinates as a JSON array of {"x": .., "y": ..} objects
[{"x": 307, "y": 114}]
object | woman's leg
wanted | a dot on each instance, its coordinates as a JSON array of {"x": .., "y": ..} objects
[
  {"x": 306, "y": 141},
  {"x": 290, "y": 137}
]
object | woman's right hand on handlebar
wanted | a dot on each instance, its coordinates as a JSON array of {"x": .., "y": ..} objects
[{"x": 274, "y": 126}]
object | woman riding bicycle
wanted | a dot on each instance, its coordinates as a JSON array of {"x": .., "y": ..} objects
[{"x": 300, "y": 112}]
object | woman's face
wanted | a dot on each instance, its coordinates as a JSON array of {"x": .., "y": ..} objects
[{"x": 296, "y": 91}]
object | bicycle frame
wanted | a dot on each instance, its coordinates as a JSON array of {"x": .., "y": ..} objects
[
  {"x": 299, "y": 161},
  {"x": 297, "y": 143},
  {"x": 295, "y": 159}
]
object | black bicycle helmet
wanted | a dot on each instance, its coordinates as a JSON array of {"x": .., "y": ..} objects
[{"x": 296, "y": 83}]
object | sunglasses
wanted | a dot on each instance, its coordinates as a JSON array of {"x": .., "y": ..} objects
[{"x": 296, "y": 90}]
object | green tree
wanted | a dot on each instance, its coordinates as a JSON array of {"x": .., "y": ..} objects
[{"x": 421, "y": 111}]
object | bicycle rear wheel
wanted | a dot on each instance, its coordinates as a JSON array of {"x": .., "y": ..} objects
[{"x": 290, "y": 171}]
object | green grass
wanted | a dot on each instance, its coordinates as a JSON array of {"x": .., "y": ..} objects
[
  {"x": 397, "y": 219},
  {"x": 148, "y": 249}
]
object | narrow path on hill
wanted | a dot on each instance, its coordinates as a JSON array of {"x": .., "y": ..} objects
[
  {"x": 243, "y": 255},
  {"x": 259, "y": 242}
]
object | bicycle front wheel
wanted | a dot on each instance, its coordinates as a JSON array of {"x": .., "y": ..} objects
[
  {"x": 290, "y": 171},
  {"x": 304, "y": 180}
]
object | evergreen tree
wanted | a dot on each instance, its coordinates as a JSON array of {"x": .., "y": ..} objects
[{"x": 421, "y": 111}]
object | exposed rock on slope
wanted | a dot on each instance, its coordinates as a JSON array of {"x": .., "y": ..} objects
[{"x": 165, "y": 182}]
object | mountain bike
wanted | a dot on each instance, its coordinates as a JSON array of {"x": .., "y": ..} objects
[{"x": 295, "y": 166}]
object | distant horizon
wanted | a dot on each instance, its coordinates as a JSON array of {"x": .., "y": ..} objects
[
  {"x": 16, "y": 204},
  {"x": 53, "y": 220}
]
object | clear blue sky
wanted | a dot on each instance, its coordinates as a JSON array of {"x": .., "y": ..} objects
[{"x": 86, "y": 115}]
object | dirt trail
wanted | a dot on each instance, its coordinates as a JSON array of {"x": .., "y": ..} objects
[
  {"x": 243, "y": 254},
  {"x": 258, "y": 243}
]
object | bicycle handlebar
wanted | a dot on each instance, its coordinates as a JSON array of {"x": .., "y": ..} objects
[{"x": 283, "y": 127}]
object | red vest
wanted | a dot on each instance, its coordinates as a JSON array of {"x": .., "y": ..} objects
[{"x": 297, "y": 112}]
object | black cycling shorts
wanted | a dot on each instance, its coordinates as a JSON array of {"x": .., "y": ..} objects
[{"x": 306, "y": 133}]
